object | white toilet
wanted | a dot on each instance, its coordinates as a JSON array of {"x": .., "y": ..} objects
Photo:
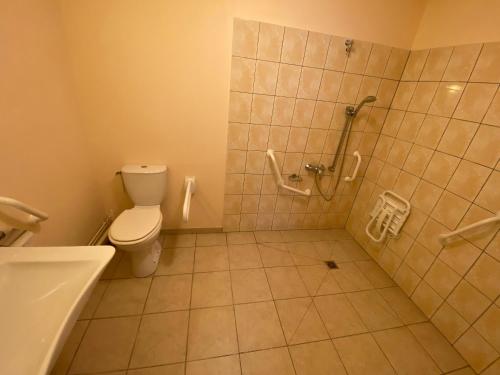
[{"x": 136, "y": 230}]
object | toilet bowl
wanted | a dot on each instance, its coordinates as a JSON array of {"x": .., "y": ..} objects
[{"x": 136, "y": 230}]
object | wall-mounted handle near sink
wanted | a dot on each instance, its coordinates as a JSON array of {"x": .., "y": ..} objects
[{"x": 355, "y": 173}]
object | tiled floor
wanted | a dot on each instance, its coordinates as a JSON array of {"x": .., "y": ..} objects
[{"x": 255, "y": 303}]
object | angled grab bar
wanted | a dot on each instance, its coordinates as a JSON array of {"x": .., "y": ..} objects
[
  {"x": 355, "y": 173},
  {"x": 35, "y": 214},
  {"x": 279, "y": 179},
  {"x": 445, "y": 236},
  {"x": 190, "y": 184}
]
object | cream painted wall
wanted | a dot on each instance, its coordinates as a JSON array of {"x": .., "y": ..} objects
[
  {"x": 43, "y": 158},
  {"x": 455, "y": 22},
  {"x": 152, "y": 80}
]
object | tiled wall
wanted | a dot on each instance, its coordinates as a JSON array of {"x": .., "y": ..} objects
[
  {"x": 289, "y": 90},
  {"x": 439, "y": 148}
]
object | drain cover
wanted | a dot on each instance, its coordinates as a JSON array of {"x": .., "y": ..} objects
[{"x": 331, "y": 264}]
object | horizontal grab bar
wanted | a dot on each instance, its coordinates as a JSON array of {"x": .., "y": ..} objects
[
  {"x": 190, "y": 184},
  {"x": 279, "y": 179},
  {"x": 445, "y": 236},
  {"x": 35, "y": 214},
  {"x": 355, "y": 173}
]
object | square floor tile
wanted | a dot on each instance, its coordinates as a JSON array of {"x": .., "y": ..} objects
[
  {"x": 350, "y": 278},
  {"x": 106, "y": 346},
  {"x": 317, "y": 358},
  {"x": 63, "y": 363},
  {"x": 212, "y": 333},
  {"x": 161, "y": 339},
  {"x": 361, "y": 355},
  {"x": 237, "y": 238},
  {"x": 229, "y": 365},
  {"x": 258, "y": 326},
  {"x": 250, "y": 286},
  {"x": 211, "y": 289},
  {"x": 169, "y": 293},
  {"x": 406, "y": 309},
  {"x": 267, "y": 362},
  {"x": 285, "y": 282},
  {"x": 300, "y": 320},
  {"x": 268, "y": 236},
  {"x": 319, "y": 280},
  {"x": 177, "y": 369},
  {"x": 210, "y": 239},
  {"x": 124, "y": 297},
  {"x": 179, "y": 240},
  {"x": 244, "y": 256},
  {"x": 339, "y": 316},
  {"x": 373, "y": 310},
  {"x": 94, "y": 300},
  {"x": 375, "y": 275},
  {"x": 211, "y": 258},
  {"x": 176, "y": 261},
  {"x": 404, "y": 352},
  {"x": 275, "y": 254}
]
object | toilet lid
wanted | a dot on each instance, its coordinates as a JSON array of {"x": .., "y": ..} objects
[{"x": 136, "y": 223}]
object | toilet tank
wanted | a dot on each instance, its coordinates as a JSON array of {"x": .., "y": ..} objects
[{"x": 145, "y": 184}]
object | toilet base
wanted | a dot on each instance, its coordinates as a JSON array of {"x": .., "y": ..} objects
[{"x": 145, "y": 262}]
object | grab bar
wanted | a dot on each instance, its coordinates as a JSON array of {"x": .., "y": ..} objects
[
  {"x": 35, "y": 214},
  {"x": 445, "y": 236},
  {"x": 190, "y": 184},
  {"x": 355, "y": 173},
  {"x": 279, "y": 179}
]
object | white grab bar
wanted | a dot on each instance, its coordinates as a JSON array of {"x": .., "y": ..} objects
[
  {"x": 190, "y": 184},
  {"x": 445, "y": 236},
  {"x": 355, "y": 173},
  {"x": 279, "y": 179},
  {"x": 35, "y": 214}
]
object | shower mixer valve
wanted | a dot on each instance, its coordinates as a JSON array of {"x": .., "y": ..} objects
[{"x": 316, "y": 168}]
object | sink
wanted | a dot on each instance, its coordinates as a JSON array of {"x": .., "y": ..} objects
[{"x": 42, "y": 292}]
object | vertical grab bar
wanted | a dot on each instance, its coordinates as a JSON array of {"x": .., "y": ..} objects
[
  {"x": 355, "y": 173},
  {"x": 190, "y": 184}
]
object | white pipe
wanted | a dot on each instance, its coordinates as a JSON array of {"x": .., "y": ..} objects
[
  {"x": 443, "y": 237},
  {"x": 190, "y": 184},
  {"x": 355, "y": 173},
  {"x": 279, "y": 179},
  {"x": 35, "y": 214}
]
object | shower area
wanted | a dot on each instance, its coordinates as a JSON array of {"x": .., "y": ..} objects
[{"x": 397, "y": 147}]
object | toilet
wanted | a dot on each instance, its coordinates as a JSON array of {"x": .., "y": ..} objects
[{"x": 136, "y": 230}]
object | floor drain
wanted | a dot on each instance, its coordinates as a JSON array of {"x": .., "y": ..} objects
[{"x": 331, "y": 264}]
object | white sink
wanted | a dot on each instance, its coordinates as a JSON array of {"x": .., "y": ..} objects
[{"x": 42, "y": 292}]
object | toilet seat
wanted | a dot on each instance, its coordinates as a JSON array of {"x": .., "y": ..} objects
[{"x": 135, "y": 224}]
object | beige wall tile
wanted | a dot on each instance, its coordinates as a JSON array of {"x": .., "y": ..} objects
[
  {"x": 270, "y": 41},
  {"x": 288, "y": 80},
  {"x": 252, "y": 184},
  {"x": 255, "y": 162},
  {"x": 257, "y": 137},
  {"x": 483, "y": 275},
  {"x": 419, "y": 259},
  {"x": 450, "y": 209},
  {"x": 415, "y": 65},
  {"x": 488, "y": 324},
  {"x": 358, "y": 58},
  {"x": 310, "y": 80},
  {"x": 441, "y": 168},
  {"x": 336, "y": 58},
  {"x": 393, "y": 122},
  {"x": 396, "y": 63},
  {"x": 248, "y": 221},
  {"x": 459, "y": 255},
  {"x": 468, "y": 179},
  {"x": 468, "y": 301},
  {"x": 457, "y": 137},
  {"x": 493, "y": 114},
  {"x": 426, "y": 196},
  {"x": 484, "y": 147},
  {"x": 487, "y": 68},
  {"x": 245, "y": 36},
  {"x": 278, "y": 138},
  {"x": 294, "y": 46},
  {"x": 449, "y": 322},
  {"x": 242, "y": 73},
  {"x": 316, "y": 141},
  {"x": 426, "y": 299},
  {"x": 240, "y": 107},
  {"x": 323, "y": 112},
  {"x": 422, "y": 97},
  {"x": 403, "y": 95},
  {"x": 262, "y": 109},
  {"x": 442, "y": 278},
  {"x": 417, "y": 160},
  {"x": 349, "y": 88},
  {"x": 462, "y": 62},
  {"x": 237, "y": 136},
  {"x": 369, "y": 86},
  {"x": 266, "y": 76},
  {"x": 480, "y": 238},
  {"x": 406, "y": 184},
  {"x": 446, "y": 98},
  {"x": 379, "y": 56},
  {"x": 232, "y": 204},
  {"x": 283, "y": 111},
  {"x": 297, "y": 140},
  {"x": 436, "y": 64},
  {"x": 303, "y": 113},
  {"x": 386, "y": 92},
  {"x": 316, "y": 49},
  {"x": 476, "y": 350},
  {"x": 488, "y": 197},
  {"x": 410, "y": 126},
  {"x": 475, "y": 101},
  {"x": 429, "y": 235}
]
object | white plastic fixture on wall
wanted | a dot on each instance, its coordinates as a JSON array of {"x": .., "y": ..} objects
[
  {"x": 388, "y": 216},
  {"x": 279, "y": 179},
  {"x": 356, "y": 168},
  {"x": 190, "y": 185}
]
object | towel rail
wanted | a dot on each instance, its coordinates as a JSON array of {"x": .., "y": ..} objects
[
  {"x": 445, "y": 236},
  {"x": 279, "y": 179}
]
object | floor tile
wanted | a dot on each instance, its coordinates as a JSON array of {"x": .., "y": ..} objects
[
  {"x": 124, "y": 297},
  {"x": 250, "y": 286},
  {"x": 210, "y": 239},
  {"x": 373, "y": 310},
  {"x": 106, "y": 346},
  {"x": 179, "y": 240},
  {"x": 285, "y": 282},
  {"x": 94, "y": 300},
  {"x": 177, "y": 369},
  {"x": 361, "y": 355},
  {"x": 375, "y": 275},
  {"x": 300, "y": 320},
  {"x": 258, "y": 326},
  {"x": 354, "y": 251},
  {"x": 211, "y": 289},
  {"x": 317, "y": 358},
  {"x": 324, "y": 249},
  {"x": 350, "y": 278},
  {"x": 404, "y": 352},
  {"x": 275, "y": 254},
  {"x": 236, "y": 238},
  {"x": 319, "y": 280},
  {"x": 176, "y": 261},
  {"x": 339, "y": 316},
  {"x": 161, "y": 339},
  {"x": 268, "y": 236},
  {"x": 436, "y": 345},
  {"x": 63, "y": 363},
  {"x": 212, "y": 333},
  {"x": 211, "y": 258},
  {"x": 266, "y": 362},
  {"x": 304, "y": 253},
  {"x": 169, "y": 293},
  {"x": 244, "y": 256},
  {"x": 406, "y": 309},
  {"x": 123, "y": 269},
  {"x": 229, "y": 365}
]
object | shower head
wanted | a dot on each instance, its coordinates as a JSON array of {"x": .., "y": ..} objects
[{"x": 368, "y": 99}]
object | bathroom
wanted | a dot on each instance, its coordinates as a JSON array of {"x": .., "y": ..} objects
[{"x": 309, "y": 162}]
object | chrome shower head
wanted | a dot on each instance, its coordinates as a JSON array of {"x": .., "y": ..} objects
[{"x": 368, "y": 99}]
